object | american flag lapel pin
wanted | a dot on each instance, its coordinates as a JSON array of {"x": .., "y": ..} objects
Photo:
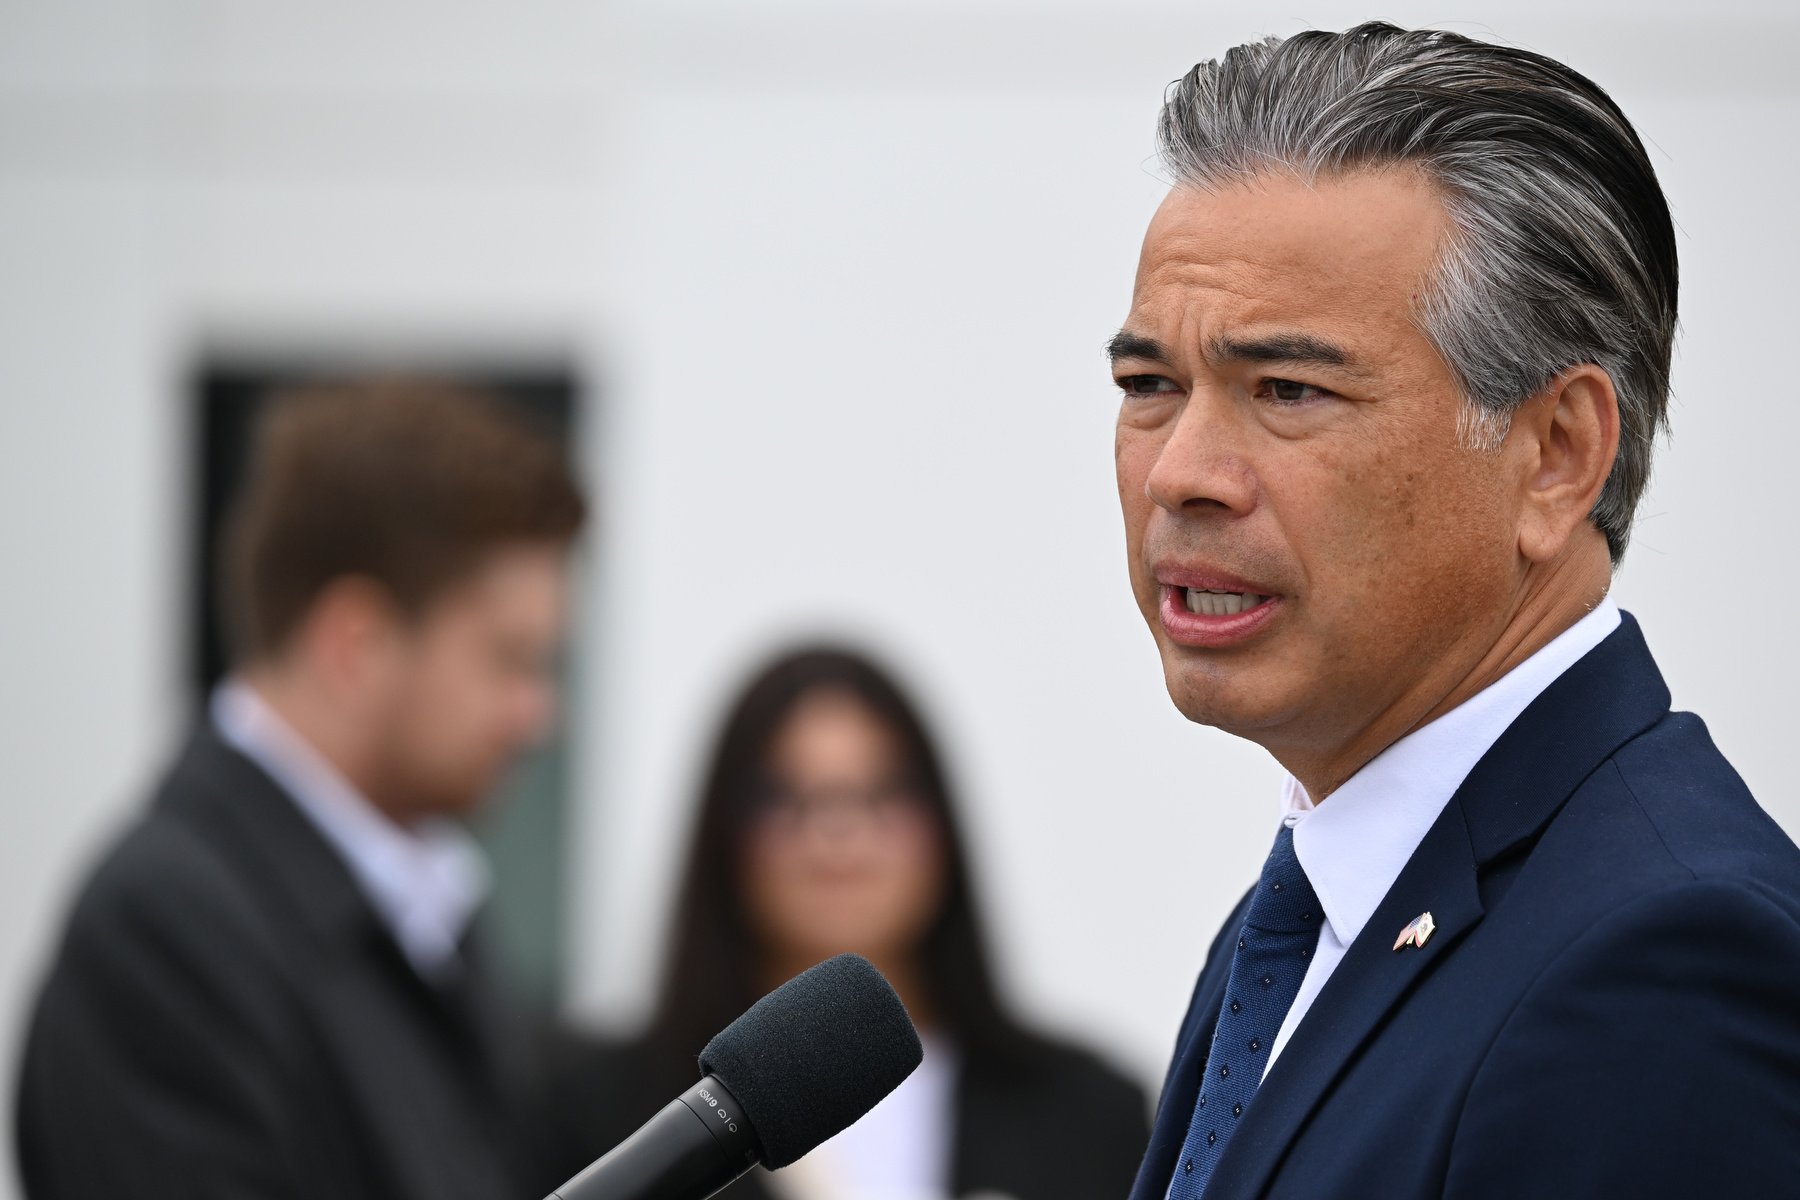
[{"x": 1418, "y": 932}]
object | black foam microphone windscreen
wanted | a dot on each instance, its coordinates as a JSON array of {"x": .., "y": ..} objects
[{"x": 814, "y": 1055}]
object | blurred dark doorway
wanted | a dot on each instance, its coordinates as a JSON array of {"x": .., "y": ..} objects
[{"x": 524, "y": 829}]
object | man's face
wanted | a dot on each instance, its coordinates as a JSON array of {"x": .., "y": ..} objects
[
  {"x": 471, "y": 683},
  {"x": 1289, "y": 462}
]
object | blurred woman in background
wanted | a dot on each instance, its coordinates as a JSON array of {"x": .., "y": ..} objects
[{"x": 826, "y": 826}]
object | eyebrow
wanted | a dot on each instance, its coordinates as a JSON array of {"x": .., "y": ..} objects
[
  {"x": 1125, "y": 344},
  {"x": 1281, "y": 347}
]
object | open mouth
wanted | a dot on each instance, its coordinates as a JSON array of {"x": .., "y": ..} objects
[
  {"x": 1214, "y": 617},
  {"x": 1220, "y": 604}
]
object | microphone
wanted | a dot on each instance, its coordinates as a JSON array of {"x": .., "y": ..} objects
[{"x": 799, "y": 1067}]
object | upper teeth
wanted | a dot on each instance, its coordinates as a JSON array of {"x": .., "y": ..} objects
[{"x": 1221, "y": 604}]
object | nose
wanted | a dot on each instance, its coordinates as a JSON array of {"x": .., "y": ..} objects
[{"x": 1202, "y": 467}]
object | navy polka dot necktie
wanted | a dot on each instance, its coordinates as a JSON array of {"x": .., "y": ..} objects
[{"x": 1274, "y": 949}]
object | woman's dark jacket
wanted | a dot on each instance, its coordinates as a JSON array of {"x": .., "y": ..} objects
[{"x": 1044, "y": 1121}]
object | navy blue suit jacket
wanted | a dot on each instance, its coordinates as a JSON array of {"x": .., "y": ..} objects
[{"x": 1610, "y": 1005}]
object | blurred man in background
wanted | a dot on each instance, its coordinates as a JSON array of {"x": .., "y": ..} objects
[{"x": 268, "y": 987}]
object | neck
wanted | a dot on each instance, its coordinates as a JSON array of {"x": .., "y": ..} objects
[
  {"x": 1549, "y": 598},
  {"x": 337, "y": 734}
]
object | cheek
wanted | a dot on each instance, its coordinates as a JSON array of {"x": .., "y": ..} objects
[
  {"x": 453, "y": 727},
  {"x": 448, "y": 705},
  {"x": 1400, "y": 527},
  {"x": 784, "y": 901},
  {"x": 435, "y": 749},
  {"x": 916, "y": 859},
  {"x": 912, "y": 883},
  {"x": 1134, "y": 455},
  {"x": 782, "y": 874},
  {"x": 763, "y": 870},
  {"x": 768, "y": 862},
  {"x": 477, "y": 701}
]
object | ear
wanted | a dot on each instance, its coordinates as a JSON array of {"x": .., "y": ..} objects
[
  {"x": 351, "y": 632},
  {"x": 1566, "y": 438}
]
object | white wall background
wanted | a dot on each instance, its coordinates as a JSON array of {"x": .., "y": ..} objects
[{"x": 841, "y": 272}]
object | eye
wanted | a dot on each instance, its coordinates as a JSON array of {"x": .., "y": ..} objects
[
  {"x": 1290, "y": 391},
  {"x": 1146, "y": 385}
]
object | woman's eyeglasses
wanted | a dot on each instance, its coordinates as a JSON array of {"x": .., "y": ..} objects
[{"x": 882, "y": 806}]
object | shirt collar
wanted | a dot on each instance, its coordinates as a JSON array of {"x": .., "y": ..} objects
[
  {"x": 1354, "y": 847},
  {"x": 424, "y": 881}
]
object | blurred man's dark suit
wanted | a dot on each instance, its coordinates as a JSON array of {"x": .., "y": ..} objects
[
  {"x": 1610, "y": 1005},
  {"x": 227, "y": 1016}
]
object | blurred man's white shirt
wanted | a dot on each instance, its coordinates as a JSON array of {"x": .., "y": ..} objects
[
  {"x": 425, "y": 881},
  {"x": 900, "y": 1150}
]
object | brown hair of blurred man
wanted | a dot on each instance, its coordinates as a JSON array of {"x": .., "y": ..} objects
[
  {"x": 269, "y": 986},
  {"x": 394, "y": 585}
]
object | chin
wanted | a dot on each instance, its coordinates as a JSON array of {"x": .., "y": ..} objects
[
  {"x": 457, "y": 800},
  {"x": 1233, "y": 700}
]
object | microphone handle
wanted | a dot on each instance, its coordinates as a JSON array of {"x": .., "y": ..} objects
[{"x": 697, "y": 1144}]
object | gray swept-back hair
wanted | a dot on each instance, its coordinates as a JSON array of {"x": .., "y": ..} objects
[{"x": 1561, "y": 249}]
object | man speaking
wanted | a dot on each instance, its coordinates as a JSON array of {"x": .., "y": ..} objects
[{"x": 1396, "y": 360}]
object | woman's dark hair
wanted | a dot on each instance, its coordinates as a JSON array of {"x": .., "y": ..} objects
[{"x": 712, "y": 974}]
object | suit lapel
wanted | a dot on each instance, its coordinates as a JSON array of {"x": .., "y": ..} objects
[
  {"x": 1181, "y": 1087},
  {"x": 414, "y": 1060},
  {"x": 1372, "y": 978},
  {"x": 229, "y": 799},
  {"x": 1607, "y": 698},
  {"x": 413, "y": 1091}
]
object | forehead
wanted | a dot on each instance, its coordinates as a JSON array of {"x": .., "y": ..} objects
[
  {"x": 836, "y": 726},
  {"x": 1348, "y": 252}
]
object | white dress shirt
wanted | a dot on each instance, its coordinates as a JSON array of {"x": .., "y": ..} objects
[
  {"x": 424, "y": 881},
  {"x": 899, "y": 1150},
  {"x": 1354, "y": 845}
]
